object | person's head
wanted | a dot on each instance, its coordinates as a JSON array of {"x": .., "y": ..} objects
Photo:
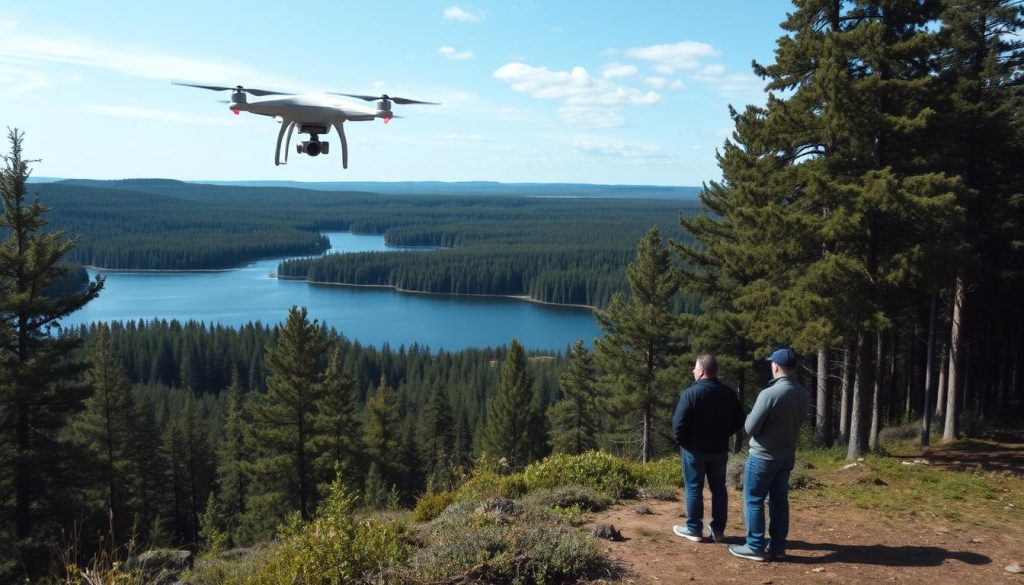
[
  {"x": 783, "y": 361},
  {"x": 706, "y": 367}
]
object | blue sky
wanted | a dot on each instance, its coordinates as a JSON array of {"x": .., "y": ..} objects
[{"x": 531, "y": 91}]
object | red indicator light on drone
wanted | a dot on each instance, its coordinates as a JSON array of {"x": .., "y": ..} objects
[{"x": 235, "y": 111}]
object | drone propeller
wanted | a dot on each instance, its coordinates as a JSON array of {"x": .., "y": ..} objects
[
  {"x": 255, "y": 92},
  {"x": 385, "y": 97}
]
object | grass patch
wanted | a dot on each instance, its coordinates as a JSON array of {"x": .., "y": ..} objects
[{"x": 886, "y": 485}]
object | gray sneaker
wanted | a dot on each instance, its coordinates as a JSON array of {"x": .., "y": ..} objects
[
  {"x": 718, "y": 536},
  {"x": 685, "y": 532},
  {"x": 774, "y": 555},
  {"x": 745, "y": 552}
]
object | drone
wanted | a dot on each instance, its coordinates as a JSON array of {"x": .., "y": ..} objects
[{"x": 312, "y": 114}]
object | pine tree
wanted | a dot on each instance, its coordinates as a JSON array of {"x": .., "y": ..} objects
[
  {"x": 512, "y": 413},
  {"x": 233, "y": 458},
  {"x": 574, "y": 419},
  {"x": 642, "y": 344},
  {"x": 341, "y": 435},
  {"x": 36, "y": 367},
  {"x": 108, "y": 429},
  {"x": 382, "y": 438},
  {"x": 188, "y": 457},
  {"x": 980, "y": 71},
  {"x": 284, "y": 421},
  {"x": 436, "y": 438}
]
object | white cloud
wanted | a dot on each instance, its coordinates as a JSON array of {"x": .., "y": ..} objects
[
  {"x": 451, "y": 53},
  {"x": 670, "y": 58},
  {"x": 155, "y": 115},
  {"x": 8, "y": 24},
  {"x": 587, "y": 101},
  {"x": 576, "y": 87},
  {"x": 740, "y": 85},
  {"x": 456, "y": 14},
  {"x": 614, "y": 70},
  {"x": 590, "y": 117},
  {"x": 618, "y": 149},
  {"x": 15, "y": 80},
  {"x": 658, "y": 82},
  {"x": 27, "y": 50}
]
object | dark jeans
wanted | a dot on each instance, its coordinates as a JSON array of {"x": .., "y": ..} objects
[
  {"x": 767, "y": 478},
  {"x": 697, "y": 466}
]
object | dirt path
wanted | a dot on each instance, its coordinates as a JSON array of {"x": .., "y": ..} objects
[{"x": 830, "y": 543}]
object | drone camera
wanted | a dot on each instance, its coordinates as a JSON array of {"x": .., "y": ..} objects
[{"x": 313, "y": 147}]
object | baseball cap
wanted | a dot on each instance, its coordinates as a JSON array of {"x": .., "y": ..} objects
[{"x": 783, "y": 356}]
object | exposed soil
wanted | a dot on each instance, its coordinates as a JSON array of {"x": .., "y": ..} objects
[{"x": 830, "y": 542}]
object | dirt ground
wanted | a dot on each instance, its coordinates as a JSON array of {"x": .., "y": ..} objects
[{"x": 830, "y": 542}]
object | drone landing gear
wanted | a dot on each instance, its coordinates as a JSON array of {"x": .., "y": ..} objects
[
  {"x": 286, "y": 128},
  {"x": 313, "y": 146}
]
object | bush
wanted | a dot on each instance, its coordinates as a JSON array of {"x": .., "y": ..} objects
[
  {"x": 596, "y": 470},
  {"x": 508, "y": 553},
  {"x": 568, "y": 496},
  {"x": 664, "y": 472},
  {"x": 431, "y": 504},
  {"x": 485, "y": 484},
  {"x": 333, "y": 548}
]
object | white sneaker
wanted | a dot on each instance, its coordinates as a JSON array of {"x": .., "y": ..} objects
[{"x": 685, "y": 532}]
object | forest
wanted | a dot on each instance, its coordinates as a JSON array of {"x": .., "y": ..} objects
[
  {"x": 551, "y": 249},
  {"x": 870, "y": 215}
]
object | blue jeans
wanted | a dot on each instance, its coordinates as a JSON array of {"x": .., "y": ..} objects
[
  {"x": 697, "y": 466},
  {"x": 767, "y": 478}
]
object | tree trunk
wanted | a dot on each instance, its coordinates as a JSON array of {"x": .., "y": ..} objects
[
  {"x": 823, "y": 418},
  {"x": 849, "y": 375},
  {"x": 876, "y": 393},
  {"x": 861, "y": 402},
  {"x": 952, "y": 429},
  {"x": 940, "y": 394},
  {"x": 926, "y": 411},
  {"x": 741, "y": 382},
  {"x": 910, "y": 377}
]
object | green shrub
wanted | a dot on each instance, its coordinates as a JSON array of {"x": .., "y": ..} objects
[
  {"x": 596, "y": 470},
  {"x": 508, "y": 553},
  {"x": 484, "y": 484},
  {"x": 567, "y": 496},
  {"x": 663, "y": 472},
  {"x": 431, "y": 504},
  {"x": 333, "y": 548}
]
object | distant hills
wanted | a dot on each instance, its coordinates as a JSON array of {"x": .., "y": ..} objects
[{"x": 474, "y": 188}]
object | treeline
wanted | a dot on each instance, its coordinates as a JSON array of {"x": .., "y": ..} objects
[
  {"x": 557, "y": 275},
  {"x": 121, "y": 228},
  {"x": 871, "y": 214},
  {"x": 554, "y": 250}
]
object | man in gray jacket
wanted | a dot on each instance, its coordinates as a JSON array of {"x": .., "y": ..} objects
[{"x": 773, "y": 425}]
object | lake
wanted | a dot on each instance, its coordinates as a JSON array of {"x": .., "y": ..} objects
[{"x": 372, "y": 316}]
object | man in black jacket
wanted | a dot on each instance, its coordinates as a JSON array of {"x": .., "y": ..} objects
[{"x": 707, "y": 414}]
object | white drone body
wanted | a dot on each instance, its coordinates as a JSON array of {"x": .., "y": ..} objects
[{"x": 312, "y": 114}]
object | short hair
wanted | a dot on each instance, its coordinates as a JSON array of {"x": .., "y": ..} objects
[{"x": 708, "y": 363}]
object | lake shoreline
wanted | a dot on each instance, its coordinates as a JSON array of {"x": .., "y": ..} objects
[{"x": 396, "y": 288}]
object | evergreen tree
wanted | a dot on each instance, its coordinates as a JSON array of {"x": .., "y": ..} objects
[
  {"x": 341, "y": 434},
  {"x": 230, "y": 503},
  {"x": 436, "y": 439},
  {"x": 284, "y": 421},
  {"x": 642, "y": 344},
  {"x": 108, "y": 430},
  {"x": 512, "y": 413},
  {"x": 574, "y": 422},
  {"x": 980, "y": 72},
  {"x": 37, "y": 368},
  {"x": 188, "y": 458},
  {"x": 382, "y": 438}
]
